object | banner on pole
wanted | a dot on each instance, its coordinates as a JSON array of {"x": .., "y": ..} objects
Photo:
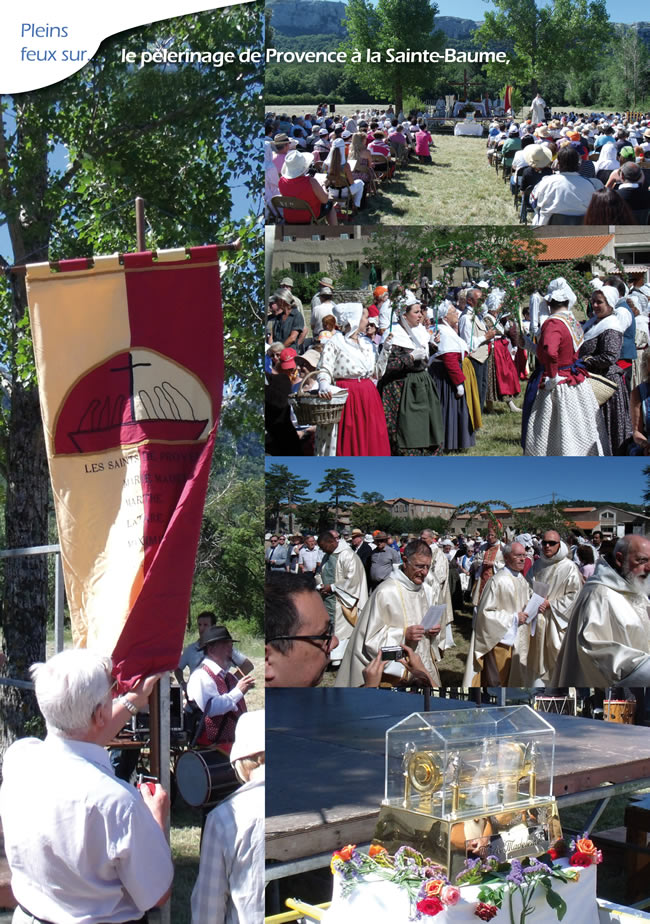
[{"x": 129, "y": 357}]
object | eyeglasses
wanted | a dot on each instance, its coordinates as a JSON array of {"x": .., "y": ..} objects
[
  {"x": 548, "y": 542},
  {"x": 324, "y": 637}
]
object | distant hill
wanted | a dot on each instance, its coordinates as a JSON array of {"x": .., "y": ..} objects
[{"x": 317, "y": 17}]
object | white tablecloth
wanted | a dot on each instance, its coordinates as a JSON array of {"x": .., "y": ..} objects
[
  {"x": 468, "y": 128},
  {"x": 386, "y": 903}
]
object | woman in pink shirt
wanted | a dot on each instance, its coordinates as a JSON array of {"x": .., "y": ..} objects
[{"x": 423, "y": 141}]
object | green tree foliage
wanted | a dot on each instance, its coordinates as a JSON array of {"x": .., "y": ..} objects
[
  {"x": 229, "y": 569},
  {"x": 284, "y": 491},
  {"x": 123, "y": 131},
  {"x": 395, "y": 24},
  {"x": 339, "y": 483},
  {"x": 540, "y": 37}
]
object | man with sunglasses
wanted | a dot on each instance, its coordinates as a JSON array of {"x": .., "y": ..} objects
[
  {"x": 556, "y": 569},
  {"x": 299, "y": 631}
]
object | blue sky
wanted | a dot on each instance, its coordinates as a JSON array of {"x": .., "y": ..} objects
[{"x": 518, "y": 481}]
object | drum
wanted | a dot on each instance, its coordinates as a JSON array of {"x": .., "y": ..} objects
[
  {"x": 205, "y": 777},
  {"x": 559, "y": 705},
  {"x": 619, "y": 710}
]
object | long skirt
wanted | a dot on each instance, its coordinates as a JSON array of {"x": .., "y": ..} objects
[
  {"x": 362, "y": 428},
  {"x": 566, "y": 421},
  {"x": 616, "y": 412},
  {"x": 427, "y": 419},
  {"x": 459, "y": 433}
]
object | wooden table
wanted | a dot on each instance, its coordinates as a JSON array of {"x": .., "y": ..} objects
[{"x": 325, "y": 764}]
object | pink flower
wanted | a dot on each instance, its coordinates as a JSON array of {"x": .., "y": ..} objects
[{"x": 450, "y": 895}]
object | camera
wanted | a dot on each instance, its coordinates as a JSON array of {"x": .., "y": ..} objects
[{"x": 393, "y": 653}]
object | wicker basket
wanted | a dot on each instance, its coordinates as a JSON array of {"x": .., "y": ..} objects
[
  {"x": 603, "y": 387},
  {"x": 313, "y": 409}
]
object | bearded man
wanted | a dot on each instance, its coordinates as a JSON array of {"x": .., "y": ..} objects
[
  {"x": 556, "y": 569},
  {"x": 393, "y": 616},
  {"x": 498, "y": 647},
  {"x": 607, "y": 642}
]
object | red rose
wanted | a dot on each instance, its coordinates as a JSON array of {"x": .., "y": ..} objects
[
  {"x": 345, "y": 853},
  {"x": 430, "y": 906},
  {"x": 553, "y": 854},
  {"x": 581, "y": 859},
  {"x": 486, "y": 912}
]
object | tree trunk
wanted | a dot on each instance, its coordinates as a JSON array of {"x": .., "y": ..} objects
[
  {"x": 24, "y": 603},
  {"x": 399, "y": 95}
]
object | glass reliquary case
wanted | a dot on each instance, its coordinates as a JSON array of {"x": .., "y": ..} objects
[{"x": 470, "y": 783}]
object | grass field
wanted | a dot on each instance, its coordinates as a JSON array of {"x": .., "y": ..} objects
[{"x": 459, "y": 188}]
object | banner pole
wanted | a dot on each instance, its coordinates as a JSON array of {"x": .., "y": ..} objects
[{"x": 140, "y": 244}]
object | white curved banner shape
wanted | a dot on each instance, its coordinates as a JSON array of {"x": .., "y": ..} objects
[{"x": 42, "y": 43}]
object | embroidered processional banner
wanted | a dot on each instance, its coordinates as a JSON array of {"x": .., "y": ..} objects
[{"x": 129, "y": 357}]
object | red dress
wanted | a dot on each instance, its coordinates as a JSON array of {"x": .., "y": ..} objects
[{"x": 300, "y": 187}]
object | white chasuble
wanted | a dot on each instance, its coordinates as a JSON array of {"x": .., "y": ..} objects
[
  {"x": 565, "y": 583},
  {"x": 505, "y": 595},
  {"x": 394, "y": 606},
  {"x": 607, "y": 641}
]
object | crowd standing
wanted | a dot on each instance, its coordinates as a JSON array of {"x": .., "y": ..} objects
[
  {"x": 415, "y": 371},
  {"x": 548, "y": 610}
]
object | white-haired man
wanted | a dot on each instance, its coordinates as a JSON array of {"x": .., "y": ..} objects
[
  {"x": 230, "y": 884},
  {"x": 555, "y": 568},
  {"x": 393, "y": 617},
  {"x": 438, "y": 579},
  {"x": 82, "y": 845},
  {"x": 498, "y": 643},
  {"x": 607, "y": 642}
]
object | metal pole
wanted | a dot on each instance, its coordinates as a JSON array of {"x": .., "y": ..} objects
[
  {"x": 59, "y": 601},
  {"x": 140, "y": 243}
]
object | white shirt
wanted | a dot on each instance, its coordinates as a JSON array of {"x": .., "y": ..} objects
[
  {"x": 385, "y": 309},
  {"x": 563, "y": 194},
  {"x": 310, "y": 558},
  {"x": 82, "y": 845},
  {"x": 201, "y": 688},
  {"x": 318, "y": 312},
  {"x": 230, "y": 884}
]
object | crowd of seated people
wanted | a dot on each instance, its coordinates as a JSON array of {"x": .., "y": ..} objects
[
  {"x": 589, "y": 169},
  {"x": 336, "y": 163}
]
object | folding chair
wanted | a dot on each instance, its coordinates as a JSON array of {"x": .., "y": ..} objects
[
  {"x": 381, "y": 166},
  {"x": 344, "y": 204},
  {"x": 292, "y": 202}
]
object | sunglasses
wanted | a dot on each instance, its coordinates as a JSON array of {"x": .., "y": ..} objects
[{"x": 547, "y": 542}]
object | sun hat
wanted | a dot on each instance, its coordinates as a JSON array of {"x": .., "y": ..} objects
[
  {"x": 249, "y": 735},
  {"x": 296, "y": 164},
  {"x": 538, "y": 155}
]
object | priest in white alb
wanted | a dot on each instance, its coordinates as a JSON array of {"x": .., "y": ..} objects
[
  {"x": 344, "y": 588},
  {"x": 438, "y": 580},
  {"x": 537, "y": 109},
  {"x": 607, "y": 642},
  {"x": 500, "y": 634},
  {"x": 392, "y": 616},
  {"x": 564, "y": 581}
]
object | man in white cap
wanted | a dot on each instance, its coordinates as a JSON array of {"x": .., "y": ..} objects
[
  {"x": 323, "y": 283},
  {"x": 287, "y": 283},
  {"x": 564, "y": 580},
  {"x": 230, "y": 885},
  {"x": 324, "y": 307}
]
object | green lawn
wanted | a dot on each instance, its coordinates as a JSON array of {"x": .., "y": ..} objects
[{"x": 501, "y": 431}]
